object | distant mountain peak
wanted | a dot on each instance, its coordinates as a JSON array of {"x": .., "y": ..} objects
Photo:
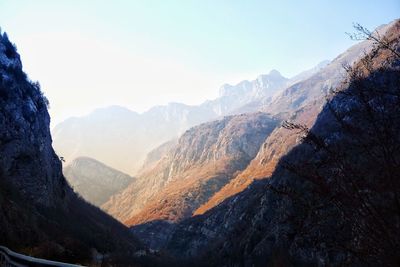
[
  {"x": 271, "y": 81},
  {"x": 275, "y": 73}
]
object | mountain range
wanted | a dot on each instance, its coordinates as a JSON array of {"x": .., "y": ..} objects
[
  {"x": 274, "y": 172},
  {"x": 121, "y": 138},
  {"x": 329, "y": 200},
  {"x": 182, "y": 169}
]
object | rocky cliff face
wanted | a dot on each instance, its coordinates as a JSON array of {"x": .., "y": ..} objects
[
  {"x": 94, "y": 181},
  {"x": 39, "y": 213},
  {"x": 276, "y": 145},
  {"x": 24, "y": 120},
  {"x": 202, "y": 161},
  {"x": 327, "y": 202}
]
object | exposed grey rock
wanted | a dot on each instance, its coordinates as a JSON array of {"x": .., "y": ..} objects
[{"x": 27, "y": 158}]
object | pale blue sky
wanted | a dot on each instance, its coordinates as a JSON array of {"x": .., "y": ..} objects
[{"x": 88, "y": 54}]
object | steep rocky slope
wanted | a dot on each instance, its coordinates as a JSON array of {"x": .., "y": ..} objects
[
  {"x": 331, "y": 200},
  {"x": 203, "y": 160},
  {"x": 276, "y": 145},
  {"x": 95, "y": 181},
  {"x": 39, "y": 213}
]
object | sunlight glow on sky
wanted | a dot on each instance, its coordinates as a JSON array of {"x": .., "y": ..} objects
[{"x": 138, "y": 54}]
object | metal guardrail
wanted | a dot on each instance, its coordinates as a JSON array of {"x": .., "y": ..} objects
[{"x": 9, "y": 258}]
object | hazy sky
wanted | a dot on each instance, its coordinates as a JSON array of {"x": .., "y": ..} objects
[{"x": 88, "y": 54}]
